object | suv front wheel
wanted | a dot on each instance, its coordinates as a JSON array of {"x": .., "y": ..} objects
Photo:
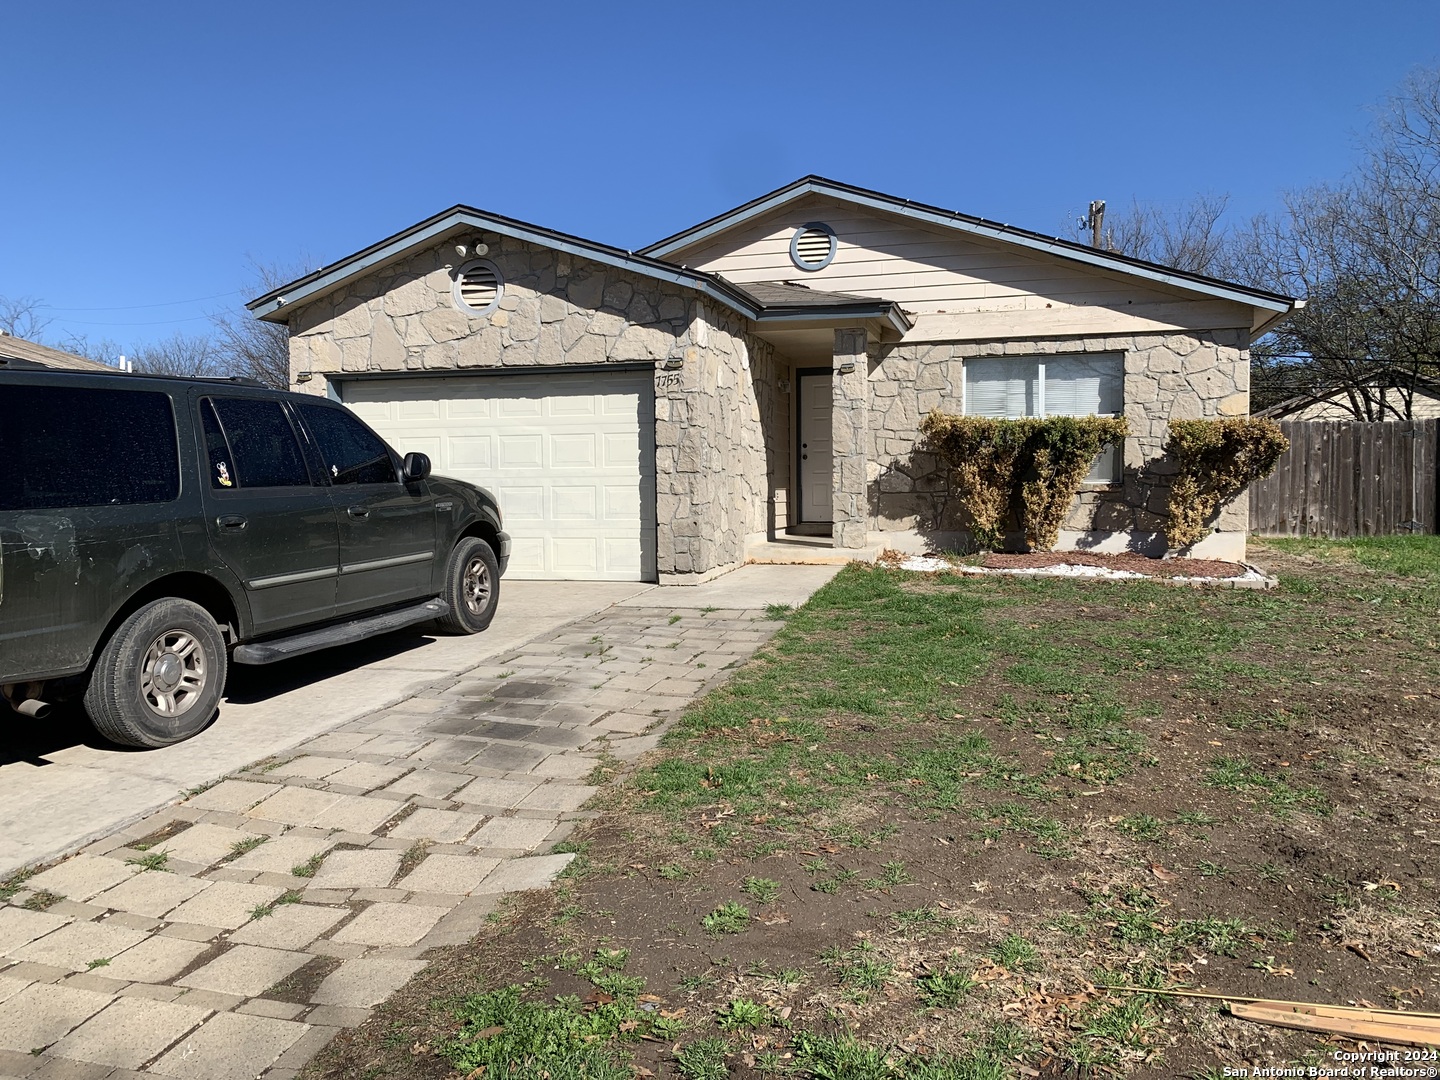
[
  {"x": 159, "y": 678},
  {"x": 472, "y": 587}
]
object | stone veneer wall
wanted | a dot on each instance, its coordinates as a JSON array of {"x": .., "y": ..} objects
[
  {"x": 559, "y": 310},
  {"x": 1179, "y": 376}
]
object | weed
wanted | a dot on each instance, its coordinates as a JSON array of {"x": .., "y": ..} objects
[
  {"x": 674, "y": 619},
  {"x": 41, "y": 899},
  {"x": 945, "y": 988},
  {"x": 860, "y": 969},
  {"x": 1211, "y": 869},
  {"x": 742, "y": 1013},
  {"x": 1141, "y": 827},
  {"x": 151, "y": 860},
  {"x": 922, "y": 921},
  {"x": 728, "y": 918},
  {"x": 1015, "y": 953},
  {"x": 241, "y": 847},
  {"x": 262, "y": 911},
  {"x": 778, "y": 611},
  {"x": 308, "y": 868},
  {"x": 14, "y": 883},
  {"x": 703, "y": 1059},
  {"x": 98, "y": 962},
  {"x": 673, "y": 872},
  {"x": 761, "y": 890},
  {"x": 816, "y": 865},
  {"x": 895, "y": 874}
]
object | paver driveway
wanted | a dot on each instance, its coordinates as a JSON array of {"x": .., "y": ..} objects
[{"x": 232, "y": 935}]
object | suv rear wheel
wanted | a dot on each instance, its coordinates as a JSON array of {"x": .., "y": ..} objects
[
  {"x": 159, "y": 678},
  {"x": 472, "y": 587}
]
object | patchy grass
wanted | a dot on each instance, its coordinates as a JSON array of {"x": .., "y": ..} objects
[{"x": 959, "y": 812}]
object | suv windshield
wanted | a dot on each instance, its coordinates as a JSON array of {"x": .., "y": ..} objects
[{"x": 64, "y": 446}]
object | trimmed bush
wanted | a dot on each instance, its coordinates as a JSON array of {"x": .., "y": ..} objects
[
  {"x": 1217, "y": 460},
  {"x": 1028, "y": 471}
]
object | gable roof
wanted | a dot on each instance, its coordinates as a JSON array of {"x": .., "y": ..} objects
[
  {"x": 974, "y": 226},
  {"x": 15, "y": 348},
  {"x": 272, "y": 305}
]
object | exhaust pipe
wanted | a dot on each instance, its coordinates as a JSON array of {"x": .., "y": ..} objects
[{"x": 34, "y": 708}]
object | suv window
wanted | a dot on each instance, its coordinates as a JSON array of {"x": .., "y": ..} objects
[
  {"x": 72, "y": 446},
  {"x": 256, "y": 437},
  {"x": 352, "y": 452}
]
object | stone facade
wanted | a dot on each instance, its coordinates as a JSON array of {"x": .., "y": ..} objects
[
  {"x": 557, "y": 310},
  {"x": 1174, "y": 376},
  {"x": 723, "y": 403}
]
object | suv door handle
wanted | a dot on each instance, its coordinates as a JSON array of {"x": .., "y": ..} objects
[
  {"x": 358, "y": 512},
  {"x": 231, "y": 521}
]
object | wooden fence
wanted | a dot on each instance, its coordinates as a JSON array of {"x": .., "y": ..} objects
[{"x": 1343, "y": 478}]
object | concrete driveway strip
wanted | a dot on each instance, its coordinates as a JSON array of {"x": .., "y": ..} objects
[
  {"x": 301, "y": 892},
  {"x": 63, "y": 787}
]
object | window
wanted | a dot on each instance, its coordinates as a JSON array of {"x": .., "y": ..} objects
[
  {"x": 813, "y": 246},
  {"x": 71, "y": 447},
  {"x": 1014, "y": 387},
  {"x": 353, "y": 454},
  {"x": 261, "y": 444},
  {"x": 478, "y": 286}
]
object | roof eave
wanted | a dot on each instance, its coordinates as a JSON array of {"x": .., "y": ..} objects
[
  {"x": 1281, "y": 305},
  {"x": 271, "y": 307}
]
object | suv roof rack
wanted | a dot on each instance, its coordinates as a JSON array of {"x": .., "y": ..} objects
[{"x": 23, "y": 364}]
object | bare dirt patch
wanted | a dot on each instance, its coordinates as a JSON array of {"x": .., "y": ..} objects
[{"x": 943, "y": 821}]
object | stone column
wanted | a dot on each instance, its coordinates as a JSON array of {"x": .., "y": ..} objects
[{"x": 849, "y": 422}]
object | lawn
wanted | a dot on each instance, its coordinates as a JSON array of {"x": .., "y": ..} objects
[{"x": 936, "y": 823}]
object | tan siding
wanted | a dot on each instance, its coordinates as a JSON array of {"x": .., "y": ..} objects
[
  {"x": 925, "y": 268},
  {"x": 1423, "y": 407}
]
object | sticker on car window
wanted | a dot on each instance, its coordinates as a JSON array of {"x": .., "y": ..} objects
[{"x": 222, "y": 474}]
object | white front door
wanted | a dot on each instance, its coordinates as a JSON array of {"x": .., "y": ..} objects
[
  {"x": 570, "y": 457},
  {"x": 816, "y": 459}
]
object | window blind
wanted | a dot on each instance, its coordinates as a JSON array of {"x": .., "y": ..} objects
[{"x": 1001, "y": 388}]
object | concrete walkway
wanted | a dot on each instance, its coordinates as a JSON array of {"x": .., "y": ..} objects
[
  {"x": 64, "y": 786},
  {"x": 232, "y": 935}
]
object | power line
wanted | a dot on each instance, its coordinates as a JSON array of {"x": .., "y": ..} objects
[
  {"x": 155, "y": 322},
  {"x": 140, "y": 307}
]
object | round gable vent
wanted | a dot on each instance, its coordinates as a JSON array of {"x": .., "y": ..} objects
[
  {"x": 478, "y": 286},
  {"x": 813, "y": 246}
]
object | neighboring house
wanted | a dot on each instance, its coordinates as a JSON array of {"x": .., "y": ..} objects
[
  {"x": 658, "y": 413},
  {"x": 14, "y": 348},
  {"x": 1337, "y": 404}
]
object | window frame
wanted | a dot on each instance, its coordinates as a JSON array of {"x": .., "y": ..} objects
[
  {"x": 177, "y": 444},
  {"x": 302, "y": 441},
  {"x": 1039, "y": 360},
  {"x": 397, "y": 464}
]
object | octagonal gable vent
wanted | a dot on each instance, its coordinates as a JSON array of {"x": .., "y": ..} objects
[
  {"x": 478, "y": 286},
  {"x": 813, "y": 246}
]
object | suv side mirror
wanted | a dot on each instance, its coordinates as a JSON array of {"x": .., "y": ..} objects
[{"x": 417, "y": 467}]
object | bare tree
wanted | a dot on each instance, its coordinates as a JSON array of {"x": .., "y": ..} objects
[
  {"x": 1190, "y": 238},
  {"x": 1365, "y": 253},
  {"x": 251, "y": 347},
  {"x": 189, "y": 356},
  {"x": 20, "y": 317}
]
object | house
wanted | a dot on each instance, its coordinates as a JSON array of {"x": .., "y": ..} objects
[
  {"x": 1339, "y": 402},
  {"x": 30, "y": 352},
  {"x": 659, "y": 414}
]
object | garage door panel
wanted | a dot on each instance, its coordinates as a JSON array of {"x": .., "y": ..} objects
[
  {"x": 570, "y": 456},
  {"x": 521, "y": 451},
  {"x": 522, "y": 504},
  {"x": 468, "y": 452},
  {"x": 573, "y": 451}
]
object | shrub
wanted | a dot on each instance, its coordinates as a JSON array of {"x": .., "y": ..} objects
[
  {"x": 1033, "y": 467},
  {"x": 1215, "y": 461}
]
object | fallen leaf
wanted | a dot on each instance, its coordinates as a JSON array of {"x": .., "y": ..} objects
[
  {"x": 488, "y": 1032},
  {"x": 1163, "y": 875}
]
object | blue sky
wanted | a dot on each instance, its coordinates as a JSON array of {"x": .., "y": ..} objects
[{"x": 153, "y": 148}]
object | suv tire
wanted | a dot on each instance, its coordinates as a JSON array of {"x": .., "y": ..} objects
[
  {"x": 159, "y": 678},
  {"x": 472, "y": 587}
]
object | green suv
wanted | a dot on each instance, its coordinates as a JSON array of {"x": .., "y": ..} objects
[{"x": 153, "y": 529}]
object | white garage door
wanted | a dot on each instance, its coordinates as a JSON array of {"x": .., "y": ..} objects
[{"x": 570, "y": 457}]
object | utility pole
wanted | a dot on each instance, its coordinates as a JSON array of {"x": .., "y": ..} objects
[{"x": 1095, "y": 222}]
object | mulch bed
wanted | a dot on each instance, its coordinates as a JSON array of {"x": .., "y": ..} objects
[{"x": 1139, "y": 564}]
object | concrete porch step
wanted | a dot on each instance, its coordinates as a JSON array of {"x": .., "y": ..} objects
[{"x": 807, "y": 550}]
